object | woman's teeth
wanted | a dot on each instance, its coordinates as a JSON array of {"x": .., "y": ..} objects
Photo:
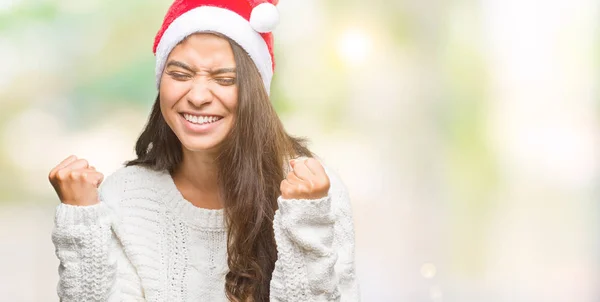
[{"x": 200, "y": 119}]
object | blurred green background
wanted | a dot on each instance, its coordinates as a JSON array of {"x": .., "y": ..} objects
[{"x": 466, "y": 131}]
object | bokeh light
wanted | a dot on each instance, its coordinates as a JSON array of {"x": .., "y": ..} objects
[{"x": 354, "y": 46}]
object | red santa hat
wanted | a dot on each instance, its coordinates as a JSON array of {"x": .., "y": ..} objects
[{"x": 247, "y": 22}]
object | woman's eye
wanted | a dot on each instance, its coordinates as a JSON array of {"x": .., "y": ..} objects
[
  {"x": 179, "y": 76},
  {"x": 226, "y": 81}
]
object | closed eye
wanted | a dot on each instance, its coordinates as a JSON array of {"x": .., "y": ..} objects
[
  {"x": 226, "y": 81},
  {"x": 179, "y": 76}
]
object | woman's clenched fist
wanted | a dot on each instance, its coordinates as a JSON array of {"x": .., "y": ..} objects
[
  {"x": 76, "y": 182},
  {"x": 307, "y": 180}
]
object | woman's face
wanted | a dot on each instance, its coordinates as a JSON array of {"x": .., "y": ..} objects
[{"x": 198, "y": 91}]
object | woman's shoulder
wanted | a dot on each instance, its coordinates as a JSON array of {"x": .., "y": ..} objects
[
  {"x": 134, "y": 173},
  {"x": 131, "y": 178}
]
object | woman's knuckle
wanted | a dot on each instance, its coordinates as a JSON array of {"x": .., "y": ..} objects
[{"x": 61, "y": 175}]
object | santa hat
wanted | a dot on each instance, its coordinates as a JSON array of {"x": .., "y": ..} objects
[{"x": 248, "y": 22}]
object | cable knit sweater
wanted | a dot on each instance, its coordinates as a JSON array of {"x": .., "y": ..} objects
[{"x": 145, "y": 242}]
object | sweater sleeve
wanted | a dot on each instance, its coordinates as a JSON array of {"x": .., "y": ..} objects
[
  {"x": 93, "y": 265},
  {"x": 315, "y": 248}
]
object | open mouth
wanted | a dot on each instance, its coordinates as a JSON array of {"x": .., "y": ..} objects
[
  {"x": 200, "y": 123},
  {"x": 201, "y": 119}
]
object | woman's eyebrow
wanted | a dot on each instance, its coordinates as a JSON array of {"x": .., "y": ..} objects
[
  {"x": 222, "y": 70},
  {"x": 191, "y": 69},
  {"x": 181, "y": 65}
]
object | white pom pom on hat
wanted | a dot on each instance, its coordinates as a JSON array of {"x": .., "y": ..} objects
[{"x": 264, "y": 17}]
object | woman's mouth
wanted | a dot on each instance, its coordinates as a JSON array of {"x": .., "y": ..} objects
[
  {"x": 200, "y": 123},
  {"x": 201, "y": 119}
]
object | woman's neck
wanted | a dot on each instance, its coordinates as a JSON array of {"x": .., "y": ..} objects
[{"x": 196, "y": 179}]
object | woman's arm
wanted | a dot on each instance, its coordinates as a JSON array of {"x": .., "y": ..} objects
[
  {"x": 93, "y": 265},
  {"x": 315, "y": 248}
]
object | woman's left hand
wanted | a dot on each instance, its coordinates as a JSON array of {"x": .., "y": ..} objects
[{"x": 307, "y": 180}]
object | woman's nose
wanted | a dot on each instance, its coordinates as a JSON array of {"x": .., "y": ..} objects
[{"x": 200, "y": 92}]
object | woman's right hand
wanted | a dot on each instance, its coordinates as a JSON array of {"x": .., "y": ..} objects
[{"x": 76, "y": 182}]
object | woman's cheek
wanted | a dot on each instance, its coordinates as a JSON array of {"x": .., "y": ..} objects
[
  {"x": 173, "y": 90},
  {"x": 229, "y": 96}
]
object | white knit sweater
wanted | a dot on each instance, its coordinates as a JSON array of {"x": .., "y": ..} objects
[{"x": 145, "y": 242}]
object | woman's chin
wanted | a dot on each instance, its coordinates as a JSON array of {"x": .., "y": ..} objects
[{"x": 200, "y": 146}]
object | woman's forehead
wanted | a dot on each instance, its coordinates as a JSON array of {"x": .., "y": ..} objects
[
  {"x": 206, "y": 42},
  {"x": 206, "y": 50}
]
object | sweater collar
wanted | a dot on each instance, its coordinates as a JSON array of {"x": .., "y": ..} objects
[{"x": 194, "y": 216}]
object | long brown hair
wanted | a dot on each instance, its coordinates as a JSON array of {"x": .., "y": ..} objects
[{"x": 250, "y": 170}]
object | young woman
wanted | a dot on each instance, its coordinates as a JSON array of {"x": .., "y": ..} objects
[{"x": 221, "y": 204}]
